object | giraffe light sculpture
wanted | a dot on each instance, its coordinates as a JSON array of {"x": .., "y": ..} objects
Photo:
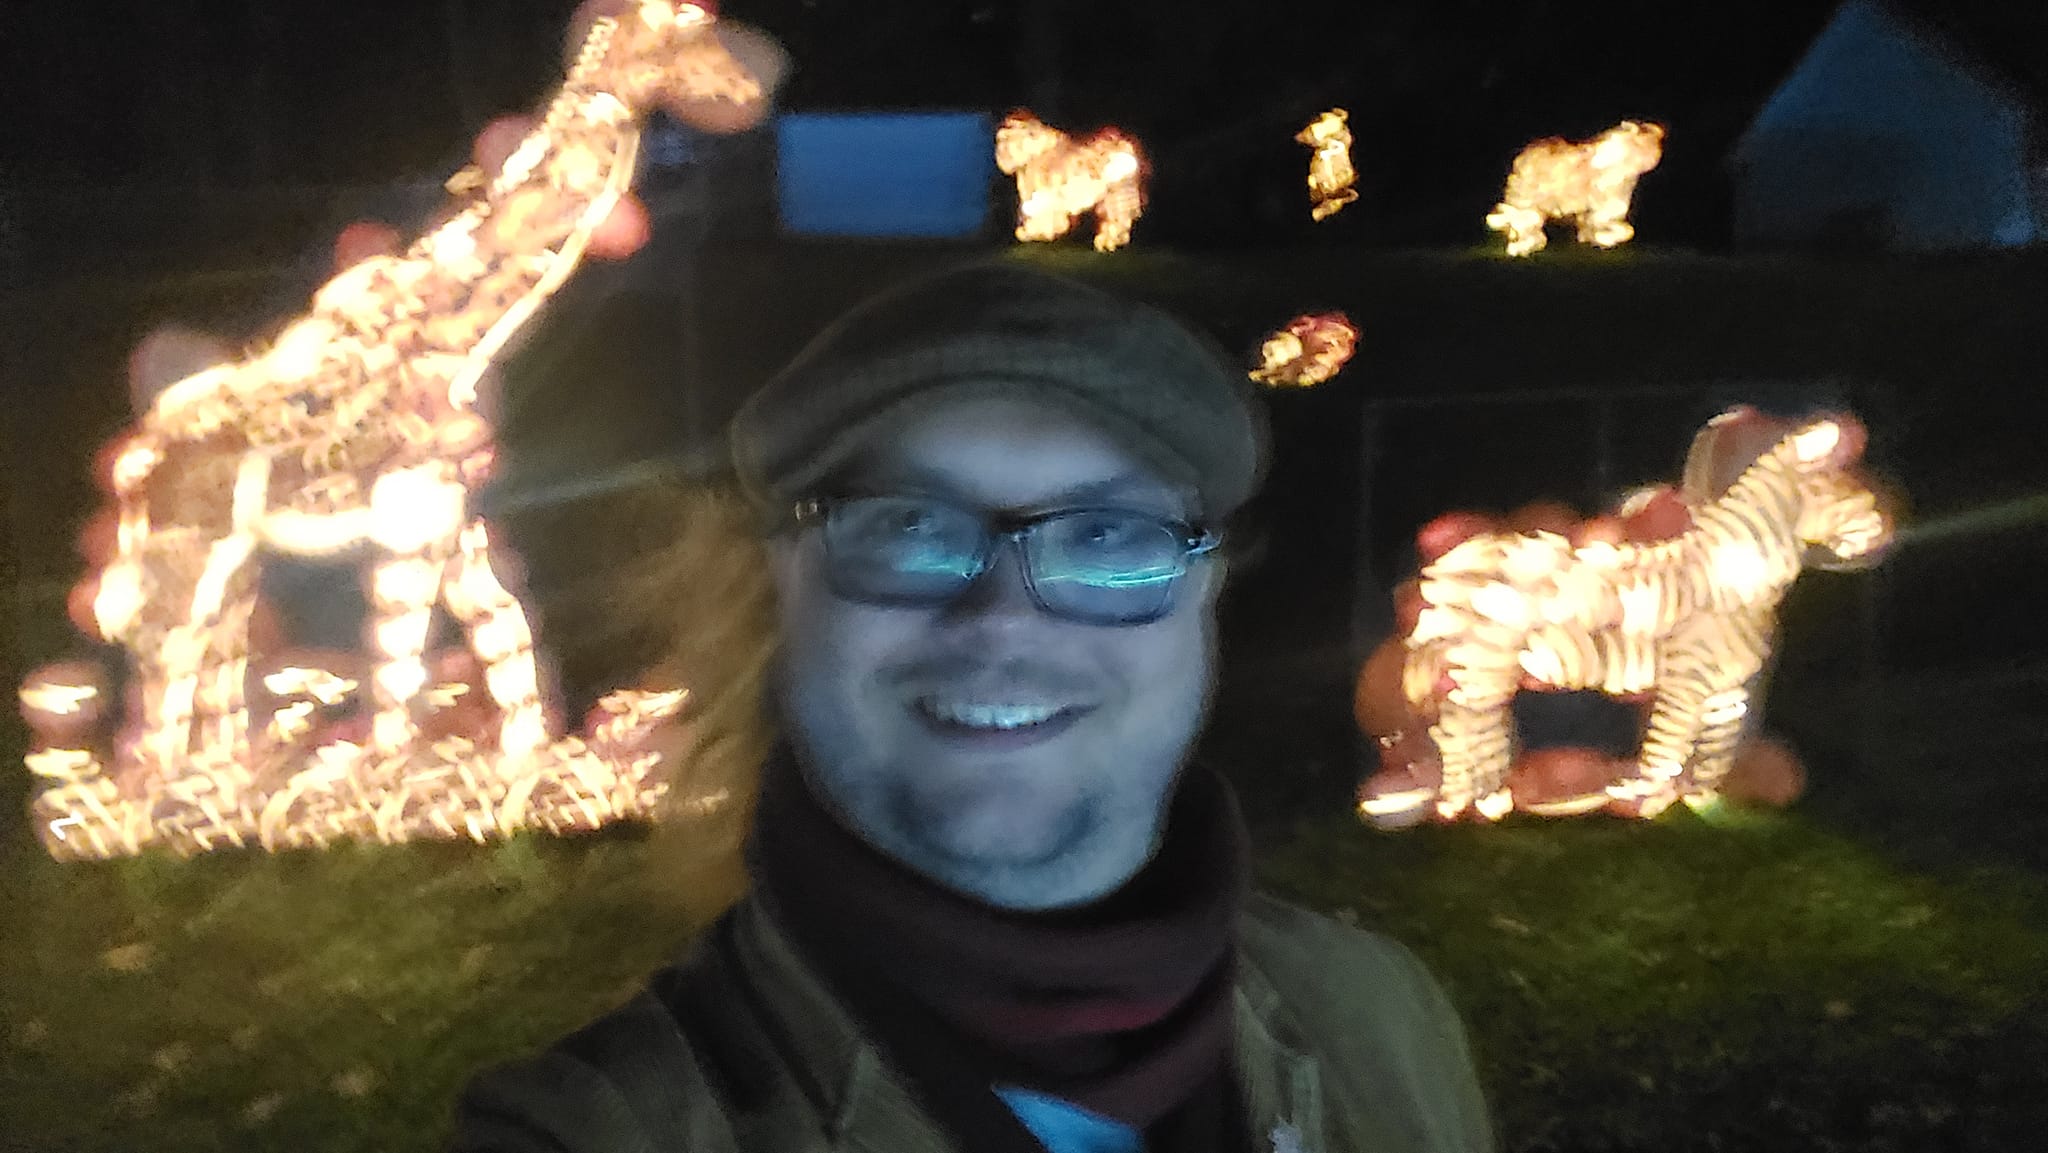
[{"x": 357, "y": 427}]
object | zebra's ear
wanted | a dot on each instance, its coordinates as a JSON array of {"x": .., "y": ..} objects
[
  {"x": 1730, "y": 443},
  {"x": 1831, "y": 441}
]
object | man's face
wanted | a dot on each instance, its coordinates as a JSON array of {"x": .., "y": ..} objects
[{"x": 921, "y": 725}]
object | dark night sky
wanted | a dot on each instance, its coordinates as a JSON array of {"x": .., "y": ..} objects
[{"x": 1441, "y": 91}]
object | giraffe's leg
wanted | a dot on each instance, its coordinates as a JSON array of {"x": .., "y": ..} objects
[
  {"x": 502, "y": 638},
  {"x": 416, "y": 514},
  {"x": 212, "y": 656},
  {"x": 221, "y": 710},
  {"x": 402, "y": 594}
]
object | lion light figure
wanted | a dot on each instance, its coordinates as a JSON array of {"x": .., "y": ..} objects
[
  {"x": 1312, "y": 348},
  {"x": 1588, "y": 182},
  {"x": 1060, "y": 178},
  {"x": 1690, "y": 618}
]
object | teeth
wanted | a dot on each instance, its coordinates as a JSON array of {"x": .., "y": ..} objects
[{"x": 977, "y": 715}]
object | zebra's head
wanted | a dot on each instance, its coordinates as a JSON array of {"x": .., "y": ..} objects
[{"x": 1841, "y": 518}]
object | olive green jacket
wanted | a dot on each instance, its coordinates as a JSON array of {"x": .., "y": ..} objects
[{"x": 1344, "y": 1045}]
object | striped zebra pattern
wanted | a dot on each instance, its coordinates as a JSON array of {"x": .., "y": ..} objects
[{"x": 1691, "y": 619}]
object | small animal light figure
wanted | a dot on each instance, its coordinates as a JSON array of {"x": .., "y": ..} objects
[
  {"x": 1310, "y": 350},
  {"x": 1060, "y": 178},
  {"x": 1588, "y": 182},
  {"x": 1330, "y": 175}
]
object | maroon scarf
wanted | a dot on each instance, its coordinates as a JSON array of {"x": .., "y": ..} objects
[{"x": 1123, "y": 1006}]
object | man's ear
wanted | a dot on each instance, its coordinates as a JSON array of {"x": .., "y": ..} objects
[{"x": 785, "y": 562}]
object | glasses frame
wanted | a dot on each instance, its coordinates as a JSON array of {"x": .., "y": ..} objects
[{"x": 1001, "y": 528}]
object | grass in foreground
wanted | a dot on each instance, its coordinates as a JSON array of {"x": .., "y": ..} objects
[
  {"x": 1740, "y": 982},
  {"x": 1673, "y": 986}
]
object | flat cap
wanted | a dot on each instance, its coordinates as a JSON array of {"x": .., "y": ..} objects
[{"x": 998, "y": 328}]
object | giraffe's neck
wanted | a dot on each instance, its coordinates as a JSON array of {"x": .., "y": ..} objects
[{"x": 483, "y": 273}]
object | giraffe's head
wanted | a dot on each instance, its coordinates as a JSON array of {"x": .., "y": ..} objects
[
  {"x": 664, "y": 54},
  {"x": 1841, "y": 519}
]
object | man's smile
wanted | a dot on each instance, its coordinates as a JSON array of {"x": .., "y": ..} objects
[{"x": 995, "y": 723}]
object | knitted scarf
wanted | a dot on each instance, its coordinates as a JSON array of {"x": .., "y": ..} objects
[{"x": 1122, "y": 1007}]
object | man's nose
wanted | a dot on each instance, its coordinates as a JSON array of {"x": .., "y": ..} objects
[{"x": 1000, "y": 593}]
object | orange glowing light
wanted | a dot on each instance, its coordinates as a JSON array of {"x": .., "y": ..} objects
[
  {"x": 1310, "y": 350},
  {"x": 1588, "y": 182},
  {"x": 356, "y": 427},
  {"x": 1330, "y": 175},
  {"x": 1689, "y": 620},
  {"x": 1060, "y": 179}
]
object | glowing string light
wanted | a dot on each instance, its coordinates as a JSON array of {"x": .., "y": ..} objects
[
  {"x": 1060, "y": 179},
  {"x": 1681, "y": 618},
  {"x": 1330, "y": 175},
  {"x": 355, "y": 427},
  {"x": 1590, "y": 183},
  {"x": 1308, "y": 351}
]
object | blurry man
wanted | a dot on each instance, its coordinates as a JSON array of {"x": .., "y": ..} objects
[{"x": 992, "y": 909}]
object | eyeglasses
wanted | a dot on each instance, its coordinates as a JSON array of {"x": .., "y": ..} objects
[{"x": 1108, "y": 566}]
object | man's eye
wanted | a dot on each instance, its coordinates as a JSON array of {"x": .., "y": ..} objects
[
  {"x": 1104, "y": 532},
  {"x": 915, "y": 522}
]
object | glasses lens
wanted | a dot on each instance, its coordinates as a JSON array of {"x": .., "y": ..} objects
[
  {"x": 1106, "y": 564},
  {"x": 902, "y": 548}
]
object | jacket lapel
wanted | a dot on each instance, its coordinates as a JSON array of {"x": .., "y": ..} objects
[
  {"x": 862, "y": 1108},
  {"x": 1282, "y": 1085}
]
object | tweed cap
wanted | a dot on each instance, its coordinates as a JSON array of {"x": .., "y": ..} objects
[{"x": 1168, "y": 395}]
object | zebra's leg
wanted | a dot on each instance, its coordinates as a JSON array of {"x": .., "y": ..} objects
[
  {"x": 1677, "y": 721},
  {"x": 1474, "y": 739},
  {"x": 1724, "y": 721},
  {"x": 501, "y": 637}
]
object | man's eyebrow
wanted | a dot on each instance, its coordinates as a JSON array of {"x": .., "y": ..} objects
[{"x": 1123, "y": 484}]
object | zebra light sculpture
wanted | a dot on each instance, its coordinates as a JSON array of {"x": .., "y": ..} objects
[{"x": 1689, "y": 620}]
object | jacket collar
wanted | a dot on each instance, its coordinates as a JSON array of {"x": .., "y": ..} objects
[{"x": 865, "y": 1108}]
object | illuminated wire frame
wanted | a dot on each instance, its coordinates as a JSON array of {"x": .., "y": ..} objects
[
  {"x": 357, "y": 427},
  {"x": 1310, "y": 350},
  {"x": 1060, "y": 179},
  {"x": 1590, "y": 183},
  {"x": 1689, "y": 619},
  {"x": 1330, "y": 175}
]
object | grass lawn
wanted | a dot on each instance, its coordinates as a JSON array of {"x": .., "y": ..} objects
[
  {"x": 1750, "y": 983},
  {"x": 1866, "y": 971}
]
